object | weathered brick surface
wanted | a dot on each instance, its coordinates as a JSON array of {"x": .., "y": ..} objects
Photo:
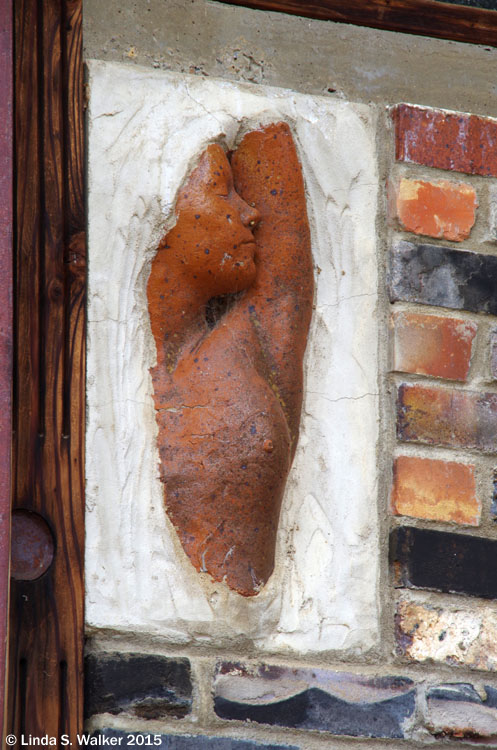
[
  {"x": 457, "y": 636},
  {"x": 447, "y": 417},
  {"x": 335, "y": 702},
  {"x": 447, "y": 140},
  {"x": 123, "y": 738},
  {"x": 458, "y": 711},
  {"x": 146, "y": 686},
  {"x": 439, "y": 209},
  {"x": 441, "y": 561},
  {"x": 435, "y": 490},
  {"x": 432, "y": 345},
  {"x": 442, "y": 276}
]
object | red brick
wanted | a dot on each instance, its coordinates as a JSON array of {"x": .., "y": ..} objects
[
  {"x": 447, "y": 140},
  {"x": 447, "y": 417},
  {"x": 435, "y": 490},
  {"x": 432, "y": 345},
  {"x": 438, "y": 209}
]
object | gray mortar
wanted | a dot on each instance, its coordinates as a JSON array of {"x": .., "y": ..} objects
[
  {"x": 386, "y": 443},
  {"x": 203, "y": 720},
  {"x": 359, "y": 64}
]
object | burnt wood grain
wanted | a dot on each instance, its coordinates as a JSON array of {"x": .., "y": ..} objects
[
  {"x": 6, "y": 222},
  {"x": 46, "y": 618},
  {"x": 425, "y": 17}
]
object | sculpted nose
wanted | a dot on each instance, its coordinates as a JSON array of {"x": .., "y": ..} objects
[{"x": 249, "y": 215}]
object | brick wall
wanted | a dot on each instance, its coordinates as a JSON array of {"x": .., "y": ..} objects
[
  {"x": 442, "y": 286},
  {"x": 434, "y": 676}
]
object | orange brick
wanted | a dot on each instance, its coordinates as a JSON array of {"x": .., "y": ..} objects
[
  {"x": 437, "y": 209},
  {"x": 432, "y": 345},
  {"x": 435, "y": 490}
]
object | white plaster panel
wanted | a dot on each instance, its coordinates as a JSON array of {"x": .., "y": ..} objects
[{"x": 146, "y": 129}]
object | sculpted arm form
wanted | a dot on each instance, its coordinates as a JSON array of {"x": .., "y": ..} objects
[
  {"x": 267, "y": 174},
  {"x": 228, "y": 389}
]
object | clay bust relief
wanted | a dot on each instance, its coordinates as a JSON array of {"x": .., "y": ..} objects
[{"x": 230, "y": 301}]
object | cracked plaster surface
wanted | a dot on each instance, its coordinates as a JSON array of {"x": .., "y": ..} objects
[{"x": 146, "y": 129}]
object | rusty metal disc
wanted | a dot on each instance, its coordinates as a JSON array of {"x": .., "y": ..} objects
[{"x": 32, "y": 546}]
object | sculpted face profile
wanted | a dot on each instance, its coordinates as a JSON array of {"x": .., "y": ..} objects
[{"x": 230, "y": 300}]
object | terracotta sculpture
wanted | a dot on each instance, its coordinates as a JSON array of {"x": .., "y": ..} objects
[{"x": 230, "y": 300}]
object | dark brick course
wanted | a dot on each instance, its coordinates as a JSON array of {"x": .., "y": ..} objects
[
  {"x": 334, "y": 702},
  {"x": 442, "y": 561},
  {"x": 143, "y": 685},
  {"x": 444, "y": 277}
]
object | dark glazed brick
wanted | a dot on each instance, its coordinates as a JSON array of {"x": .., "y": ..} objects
[
  {"x": 339, "y": 703},
  {"x": 457, "y": 692},
  {"x": 452, "y": 563},
  {"x": 447, "y": 416},
  {"x": 447, "y": 140},
  {"x": 147, "y": 686},
  {"x": 444, "y": 277},
  {"x": 187, "y": 742}
]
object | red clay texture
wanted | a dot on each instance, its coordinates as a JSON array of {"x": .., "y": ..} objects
[
  {"x": 442, "y": 209},
  {"x": 432, "y": 345},
  {"x": 230, "y": 300},
  {"x": 447, "y": 140},
  {"x": 447, "y": 417},
  {"x": 435, "y": 490}
]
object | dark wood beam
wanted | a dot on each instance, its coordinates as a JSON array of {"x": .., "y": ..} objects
[
  {"x": 460, "y": 23},
  {"x": 46, "y": 618}
]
